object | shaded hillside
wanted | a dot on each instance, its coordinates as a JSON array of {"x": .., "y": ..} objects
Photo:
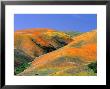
[
  {"x": 20, "y": 57},
  {"x": 80, "y": 52},
  {"x": 21, "y": 60}
]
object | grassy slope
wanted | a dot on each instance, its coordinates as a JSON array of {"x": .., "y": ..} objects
[
  {"x": 85, "y": 52},
  {"x": 32, "y": 43},
  {"x": 73, "y": 33},
  {"x": 21, "y": 61}
]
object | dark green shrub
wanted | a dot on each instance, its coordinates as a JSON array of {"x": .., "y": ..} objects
[{"x": 93, "y": 66}]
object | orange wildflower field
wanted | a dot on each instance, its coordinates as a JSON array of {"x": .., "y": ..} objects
[{"x": 47, "y": 52}]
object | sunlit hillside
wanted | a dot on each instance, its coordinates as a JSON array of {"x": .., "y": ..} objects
[{"x": 73, "y": 58}]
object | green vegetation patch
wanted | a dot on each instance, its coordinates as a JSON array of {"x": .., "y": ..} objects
[
  {"x": 78, "y": 71},
  {"x": 21, "y": 61},
  {"x": 44, "y": 71},
  {"x": 85, "y": 73},
  {"x": 73, "y": 34},
  {"x": 20, "y": 57},
  {"x": 21, "y": 68},
  {"x": 93, "y": 66}
]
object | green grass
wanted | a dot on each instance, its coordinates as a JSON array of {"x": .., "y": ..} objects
[
  {"x": 45, "y": 71},
  {"x": 73, "y": 34},
  {"x": 21, "y": 68},
  {"x": 21, "y": 61},
  {"x": 91, "y": 70},
  {"x": 85, "y": 73},
  {"x": 81, "y": 70}
]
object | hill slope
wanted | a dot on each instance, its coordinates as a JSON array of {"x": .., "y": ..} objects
[
  {"x": 80, "y": 52},
  {"x": 33, "y": 43}
]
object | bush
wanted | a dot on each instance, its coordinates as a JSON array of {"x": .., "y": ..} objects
[{"x": 93, "y": 66}]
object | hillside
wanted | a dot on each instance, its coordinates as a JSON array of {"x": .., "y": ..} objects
[
  {"x": 36, "y": 42},
  {"x": 73, "y": 57}
]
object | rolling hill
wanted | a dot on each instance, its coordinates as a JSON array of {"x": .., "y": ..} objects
[
  {"x": 35, "y": 42},
  {"x": 72, "y": 58},
  {"x": 32, "y": 43}
]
